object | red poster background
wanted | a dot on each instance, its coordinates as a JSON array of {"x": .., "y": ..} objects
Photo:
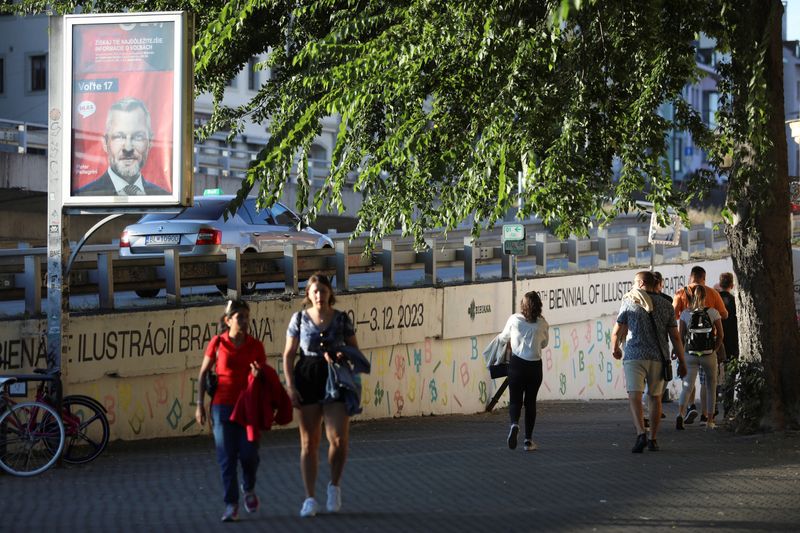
[{"x": 150, "y": 79}]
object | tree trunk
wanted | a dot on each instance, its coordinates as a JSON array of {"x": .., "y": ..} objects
[{"x": 760, "y": 243}]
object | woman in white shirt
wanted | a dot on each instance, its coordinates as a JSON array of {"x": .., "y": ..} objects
[{"x": 526, "y": 334}]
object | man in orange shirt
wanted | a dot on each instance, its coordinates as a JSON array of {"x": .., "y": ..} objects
[
  {"x": 698, "y": 277},
  {"x": 680, "y": 301}
]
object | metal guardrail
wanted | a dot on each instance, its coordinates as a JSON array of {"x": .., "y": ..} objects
[
  {"x": 214, "y": 157},
  {"x": 100, "y": 271}
]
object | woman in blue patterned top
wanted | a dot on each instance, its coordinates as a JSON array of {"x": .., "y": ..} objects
[{"x": 318, "y": 331}]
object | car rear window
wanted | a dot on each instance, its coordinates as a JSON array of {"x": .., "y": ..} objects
[{"x": 199, "y": 211}]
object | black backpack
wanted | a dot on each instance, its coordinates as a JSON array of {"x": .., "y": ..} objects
[{"x": 700, "y": 334}]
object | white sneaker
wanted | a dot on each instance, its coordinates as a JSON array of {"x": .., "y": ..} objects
[
  {"x": 334, "y": 498},
  {"x": 529, "y": 446},
  {"x": 310, "y": 507}
]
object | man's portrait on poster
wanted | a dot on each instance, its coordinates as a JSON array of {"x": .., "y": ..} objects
[{"x": 127, "y": 141}]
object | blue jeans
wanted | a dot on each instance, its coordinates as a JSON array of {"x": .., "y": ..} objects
[{"x": 233, "y": 446}]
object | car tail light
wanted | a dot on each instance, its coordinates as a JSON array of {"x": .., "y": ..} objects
[
  {"x": 209, "y": 236},
  {"x": 125, "y": 240}
]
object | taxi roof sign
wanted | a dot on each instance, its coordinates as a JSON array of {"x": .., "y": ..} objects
[{"x": 212, "y": 192}]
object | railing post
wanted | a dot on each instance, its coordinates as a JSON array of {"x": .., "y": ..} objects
[
  {"x": 505, "y": 266},
  {"x": 430, "y": 262},
  {"x": 387, "y": 262},
  {"x": 290, "y": 268},
  {"x": 633, "y": 246},
  {"x": 172, "y": 273},
  {"x": 686, "y": 243},
  {"x": 573, "y": 255},
  {"x": 22, "y": 139},
  {"x": 105, "y": 280},
  {"x": 342, "y": 265},
  {"x": 658, "y": 252},
  {"x": 602, "y": 248},
  {"x": 33, "y": 285},
  {"x": 541, "y": 253},
  {"x": 708, "y": 234},
  {"x": 469, "y": 259},
  {"x": 233, "y": 272}
]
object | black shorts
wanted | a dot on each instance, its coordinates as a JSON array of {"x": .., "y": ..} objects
[{"x": 310, "y": 378}]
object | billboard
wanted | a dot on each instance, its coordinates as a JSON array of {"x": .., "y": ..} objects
[{"x": 128, "y": 88}]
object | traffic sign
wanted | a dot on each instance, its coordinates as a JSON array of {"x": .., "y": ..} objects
[{"x": 513, "y": 232}]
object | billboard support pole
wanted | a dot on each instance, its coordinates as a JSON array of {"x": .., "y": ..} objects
[{"x": 57, "y": 221}]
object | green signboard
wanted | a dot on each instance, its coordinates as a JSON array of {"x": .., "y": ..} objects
[{"x": 513, "y": 239}]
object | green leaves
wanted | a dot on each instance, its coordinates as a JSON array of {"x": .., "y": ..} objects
[{"x": 439, "y": 101}]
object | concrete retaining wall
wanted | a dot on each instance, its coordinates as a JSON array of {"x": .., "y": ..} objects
[{"x": 425, "y": 345}]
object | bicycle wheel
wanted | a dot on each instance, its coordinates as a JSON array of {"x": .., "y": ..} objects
[
  {"x": 86, "y": 428},
  {"x": 31, "y": 438}
]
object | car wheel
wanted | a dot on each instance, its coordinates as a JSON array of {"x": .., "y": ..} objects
[{"x": 147, "y": 293}]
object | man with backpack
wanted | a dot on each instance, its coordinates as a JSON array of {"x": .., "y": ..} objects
[
  {"x": 701, "y": 327},
  {"x": 680, "y": 302}
]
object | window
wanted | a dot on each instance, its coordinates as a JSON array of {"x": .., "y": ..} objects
[
  {"x": 710, "y": 107},
  {"x": 252, "y": 74},
  {"x": 283, "y": 216},
  {"x": 38, "y": 72},
  {"x": 258, "y": 216},
  {"x": 2, "y": 75},
  {"x": 231, "y": 82},
  {"x": 677, "y": 148}
]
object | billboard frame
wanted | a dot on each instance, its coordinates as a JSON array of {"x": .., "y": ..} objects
[{"x": 182, "y": 112}]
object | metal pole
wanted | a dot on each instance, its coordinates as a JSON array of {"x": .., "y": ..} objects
[
  {"x": 57, "y": 221},
  {"x": 504, "y": 385}
]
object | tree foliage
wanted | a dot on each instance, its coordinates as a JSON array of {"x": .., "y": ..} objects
[{"x": 444, "y": 105}]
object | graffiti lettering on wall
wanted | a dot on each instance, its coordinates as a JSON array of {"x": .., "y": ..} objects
[
  {"x": 434, "y": 376},
  {"x": 578, "y": 363}
]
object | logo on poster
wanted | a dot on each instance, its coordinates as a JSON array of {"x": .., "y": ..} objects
[
  {"x": 477, "y": 309},
  {"x": 86, "y": 108}
]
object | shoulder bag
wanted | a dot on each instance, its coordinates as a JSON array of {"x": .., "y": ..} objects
[
  {"x": 211, "y": 379},
  {"x": 666, "y": 366}
]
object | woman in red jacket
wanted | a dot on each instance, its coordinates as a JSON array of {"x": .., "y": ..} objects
[{"x": 236, "y": 355}]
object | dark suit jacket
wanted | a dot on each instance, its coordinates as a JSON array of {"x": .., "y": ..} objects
[{"x": 103, "y": 186}]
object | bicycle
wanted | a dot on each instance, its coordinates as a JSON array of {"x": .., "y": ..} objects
[
  {"x": 85, "y": 421},
  {"x": 31, "y": 434}
]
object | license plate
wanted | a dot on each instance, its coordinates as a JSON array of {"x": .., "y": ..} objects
[{"x": 162, "y": 240}]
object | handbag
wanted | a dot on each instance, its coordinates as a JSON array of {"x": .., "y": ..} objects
[
  {"x": 666, "y": 366},
  {"x": 500, "y": 370},
  {"x": 211, "y": 379}
]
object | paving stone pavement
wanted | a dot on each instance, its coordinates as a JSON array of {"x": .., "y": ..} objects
[{"x": 440, "y": 473}]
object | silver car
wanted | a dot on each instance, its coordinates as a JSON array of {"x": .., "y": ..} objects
[{"x": 202, "y": 229}]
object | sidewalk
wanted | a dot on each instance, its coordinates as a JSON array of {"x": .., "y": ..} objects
[{"x": 452, "y": 473}]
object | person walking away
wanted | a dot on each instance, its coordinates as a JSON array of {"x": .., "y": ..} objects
[
  {"x": 660, "y": 291},
  {"x": 526, "y": 333},
  {"x": 643, "y": 323},
  {"x": 730, "y": 328},
  {"x": 236, "y": 355},
  {"x": 701, "y": 326},
  {"x": 680, "y": 302},
  {"x": 320, "y": 331}
]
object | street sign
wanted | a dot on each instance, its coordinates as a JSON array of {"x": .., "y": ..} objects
[
  {"x": 513, "y": 239},
  {"x": 513, "y": 232}
]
